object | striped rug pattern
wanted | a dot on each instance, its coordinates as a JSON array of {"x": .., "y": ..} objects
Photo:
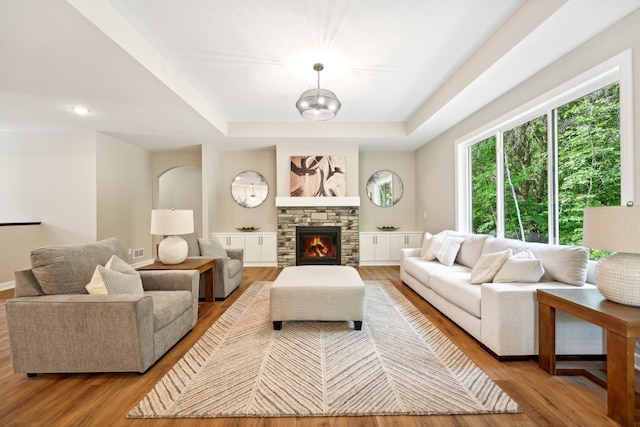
[{"x": 399, "y": 363}]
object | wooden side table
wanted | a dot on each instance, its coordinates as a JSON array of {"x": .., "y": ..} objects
[
  {"x": 203, "y": 265},
  {"x": 622, "y": 324}
]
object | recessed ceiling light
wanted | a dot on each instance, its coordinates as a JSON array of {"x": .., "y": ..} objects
[{"x": 78, "y": 109}]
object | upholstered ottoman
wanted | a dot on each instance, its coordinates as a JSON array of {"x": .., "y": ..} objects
[{"x": 317, "y": 292}]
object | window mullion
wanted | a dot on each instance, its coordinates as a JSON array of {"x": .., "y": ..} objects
[
  {"x": 499, "y": 184},
  {"x": 552, "y": 175}
]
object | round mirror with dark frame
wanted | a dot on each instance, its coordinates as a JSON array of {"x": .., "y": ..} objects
[
  {"x": 384, "y": 188},
  {"x": 249, "y": 189}
]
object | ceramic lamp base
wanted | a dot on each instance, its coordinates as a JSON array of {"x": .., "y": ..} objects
[
  {"x": 618, "y": 278},
  {"x": 173, "y": 250}
]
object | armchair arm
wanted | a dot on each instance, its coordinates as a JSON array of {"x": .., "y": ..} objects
[
  {"x": 81, "y": 333},
  {"x": 235, "y": 253},
  {"x": 170, "y": 280}
]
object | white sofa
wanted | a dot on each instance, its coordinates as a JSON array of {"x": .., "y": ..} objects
[{"x": 504, "y": 316}]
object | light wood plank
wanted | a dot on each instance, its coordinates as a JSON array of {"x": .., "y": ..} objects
[{"x": 105, "y": 399}]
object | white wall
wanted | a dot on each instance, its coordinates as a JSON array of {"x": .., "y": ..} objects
[
  {"x": 181, "y": 188},
  {"x": 48, "y": 177},
  {"x": 402, "y": 214},
  {"x": 230, "y": 214},
  {"x": 164, "y": 161},
  {"x": 124, "y": 187},
  {"x": 360, "y": 166},
  {"x": 435, "y": 163},
  {"x": 210, "y": 180}
]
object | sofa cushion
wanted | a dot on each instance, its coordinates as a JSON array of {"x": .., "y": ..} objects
[
  {"x": 488, "y": 265},
  {"x": 116, "y": 277},
  {"x": 522, "y": 267},
  {"x": 67, "y": 269},
  {"x": 436, "y": 242},
  {"x": 192, "y": 244},
  {"x": 168, "y": 305},
  {"x": 426, "y": 244},
  {"x": 455, "y": 288},
  {"x": 421, "y": 270},
  {"x": 566, "y": 264},
  {"x": 471, "y": 248},
  {"x": 446, "y": 253},
  {"x": 213, "y": 249}
]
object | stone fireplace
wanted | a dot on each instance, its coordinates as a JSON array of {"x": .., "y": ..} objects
[{"x": 345, "y": 218}]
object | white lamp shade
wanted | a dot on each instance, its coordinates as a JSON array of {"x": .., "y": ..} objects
[
  {"x": 612, "y": 228},
  {"x": 615, "y": 228},
  {"x": 169, "y": 222}
]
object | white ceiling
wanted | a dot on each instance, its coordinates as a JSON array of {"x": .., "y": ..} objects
[{"x": 167, "y": 74}]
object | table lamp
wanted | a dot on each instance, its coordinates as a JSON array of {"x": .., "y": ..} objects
[
  {"x": 615, "y": 228},
  {"x": 171, "y": 222}
]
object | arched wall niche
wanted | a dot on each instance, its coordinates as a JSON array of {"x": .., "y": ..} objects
[{"x": 181, "y": 188}]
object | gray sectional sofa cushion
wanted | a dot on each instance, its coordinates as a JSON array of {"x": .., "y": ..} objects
[{"x": 64, "y": 269}]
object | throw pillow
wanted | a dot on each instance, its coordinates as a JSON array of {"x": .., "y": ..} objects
[
  {"x": 426, "y": 243},
  {"x": 120, "y": 283},
  {"x": 522, "y": 267},
  {"x": 447, "y": 251},
  {"x": 436, "y": 243},
  {"x": 488, "y": 266},
  {"x": 116, "y": 277},
  {"x": 212, "y": 249}
]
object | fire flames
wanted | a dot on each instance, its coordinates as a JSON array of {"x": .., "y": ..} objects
[{"x": 318, "y": 247}]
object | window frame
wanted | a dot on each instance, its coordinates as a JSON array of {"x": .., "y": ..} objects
[{"x": 617, "y": 69}]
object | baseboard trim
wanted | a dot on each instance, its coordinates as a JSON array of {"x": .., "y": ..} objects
[{"x": 7, "y": 285}]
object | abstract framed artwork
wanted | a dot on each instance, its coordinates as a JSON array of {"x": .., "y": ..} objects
[{"x": 318, "y": 176}]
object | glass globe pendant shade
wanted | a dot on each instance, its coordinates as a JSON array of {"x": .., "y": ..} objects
[{"x": 318, "y": 104}]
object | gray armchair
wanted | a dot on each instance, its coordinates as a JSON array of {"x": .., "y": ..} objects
[
  {"x": 228, "y": 267},
  {"x": 55, "y": 326}
]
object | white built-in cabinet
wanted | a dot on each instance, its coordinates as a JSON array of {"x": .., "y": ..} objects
[
  {"x": 233, "y": 240},
  {"x": 383, "y": 248},
  {"x": 260, "y": 248}
]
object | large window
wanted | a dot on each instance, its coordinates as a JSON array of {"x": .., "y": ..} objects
[
  {"x": 588, "y": 158},
  {"x": 524, "y": 153},
  {"x": 484, "y": 187},
  {"x": 532, "y": 181}
]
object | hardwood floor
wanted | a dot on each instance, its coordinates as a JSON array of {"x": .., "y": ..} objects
[{"x": 105, "y": 399}]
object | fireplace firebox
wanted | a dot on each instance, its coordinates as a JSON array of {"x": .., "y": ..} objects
[{"x": 318, "y": 245}]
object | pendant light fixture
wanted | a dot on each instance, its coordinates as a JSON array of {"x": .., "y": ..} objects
[{"x": 318, "y": 104}]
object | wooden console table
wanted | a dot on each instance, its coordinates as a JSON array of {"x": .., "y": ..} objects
[
  {"x": 203, "y": 265},
  {"x": 622, "y": 324}
]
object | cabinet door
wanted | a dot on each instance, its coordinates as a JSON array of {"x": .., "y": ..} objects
[
  {"x": 399, "y": 241},
  {"x": 260, "y": 248},
  {"x": 253, "y": 248},
  {"x": 269, "y": 248},
  {"x": 414, "y": 240},
  {"x": 367, "y": 247},
  {"x": 383, "y": 247},
  {"x": 230, "y": 240},
  {"x": 375, "y": 247}
]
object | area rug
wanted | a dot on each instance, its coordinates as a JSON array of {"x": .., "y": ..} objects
[{"x": 398, "y": 364}]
